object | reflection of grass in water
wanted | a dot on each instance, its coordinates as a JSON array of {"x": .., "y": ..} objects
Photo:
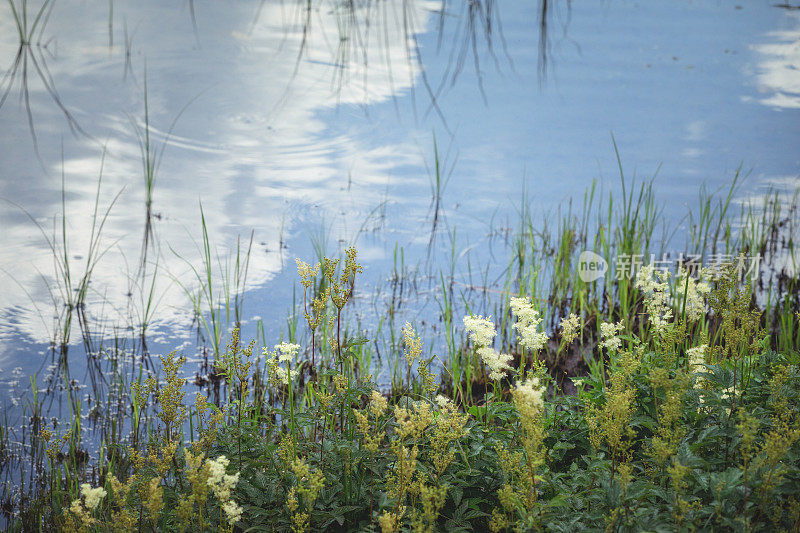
[
  {"x": 151, "y": 156},
  {"x": 30, "y": 53},
  {"x": 26, "y": 29},
  {"x": 362, "y": 27},
  {"x": 69, "y": 296}
]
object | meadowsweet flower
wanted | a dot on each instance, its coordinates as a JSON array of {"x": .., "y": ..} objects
[
  {"x": 413, "y": 344},
  {"x": 694, "y": 292},
  {"x": 644, "y": 279},
  {"x": 216, "y": 470},
  {"x": 498, "y": 363},
  {"x": 608, "y": 331},
  {"x": 378, "y": 403},
  {"x": 696, "y": 357},
  {"x": 286, "y": 376},
  {"x": 233, "y": 511},
  {"x": 92, "y": 496},
  {"x": 656, "y": 295},
  {"x": 76, "y": 508},
  {"x": 481, "y": 330},
  {"x": 570, "y": 327},
  {"x": 527, "y": 325},
  {"x": 220, "y": 482},
  {"x": 443, "y": 401},
  {"x": 726, "y": 396},
  {"x": 306, "y": 272},
  {"x": 529, "y": 395},
  {"x": 286, "y": 351}
]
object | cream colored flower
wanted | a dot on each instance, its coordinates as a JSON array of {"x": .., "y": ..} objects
[
  {"x": 481, "y": 330},
  {"x": 498, "y": 363},
  {"x": 697, "y": 357},
  {"x": 286, "y": 351},
  {"x": 92, "y": 496},
  {"x": 608, "y": 332},
  {"x": 529, "y": 393},
  {"x": 233, "y": 511},
  {"x": 527, "y": 324}
]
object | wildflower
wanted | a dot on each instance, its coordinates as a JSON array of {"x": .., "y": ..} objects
[
  {"x": 529, "y": 395},
  {"x": 570, "y": 327},
  {"x": 696, "y": 357},
  {"x": 221, "y": 483},
  {"x": 527, "y": 325},
  {"x": 608, "y": 331},
  {"x": 693, "y": 292},
  {"x": 216, "y": 470},
  {"x": 306, "y": 272},
  {"x": 413, "y": 344},
  {"x": 76, "y": 507},
  {"x": 729, "y": 396},
  {"x": 656, "y": 295},
  {"x": 443, "y": 401},
  {"x": 644, "y": 279},
  {"x": 287, "y": 375},
  {"x": 481, "y": 330},
  {"x": 154, "y": 498},
  {"x": 233, "y": 511},
  {"x": 378, "y": 403},
  {"x": 92, "y": 496},
  {"x": 497, "y": 362},
  {"x": 286, "y": 351},
  {"x": 389, "y": 521}
]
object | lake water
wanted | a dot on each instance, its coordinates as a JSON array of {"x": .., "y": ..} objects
[{"x": 317, "y": 128}]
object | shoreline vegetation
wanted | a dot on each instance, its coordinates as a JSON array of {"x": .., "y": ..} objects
[
  {"x": 661, "y": 395},
  {"x": 651, "y": 384}
]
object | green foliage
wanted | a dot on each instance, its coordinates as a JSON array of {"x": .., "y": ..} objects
[{"x": 664, "y": 434}]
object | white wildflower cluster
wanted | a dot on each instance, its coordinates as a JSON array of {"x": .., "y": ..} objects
[
  {"x": 497, "y": 362},
  {"x": 481, "y": 331},
  {"x": 82, "y": 512},
  {"x": 608, "y": 332},
  {"x": 657, "y": 295},
  {"x": 530, "y": 394},
  {"x": 443, "y": 401},
  {"x": 221, "y": 485},
  {"x": 233, "y": 511},
  {"x": 697, "y": 357},
  {"x": 527, "y": 325},
  {"x": 695, "y": 291},
  {"x": 92, "y": 496},
  {"x": 284, "y": 353}
]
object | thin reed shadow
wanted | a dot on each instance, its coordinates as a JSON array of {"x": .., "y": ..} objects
[
  {"x": 475, "y": 31},
  {"x": 31, "y": 55}
]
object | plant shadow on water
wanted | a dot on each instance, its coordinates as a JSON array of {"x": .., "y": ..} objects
[{"x": 32, "y": 52}]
